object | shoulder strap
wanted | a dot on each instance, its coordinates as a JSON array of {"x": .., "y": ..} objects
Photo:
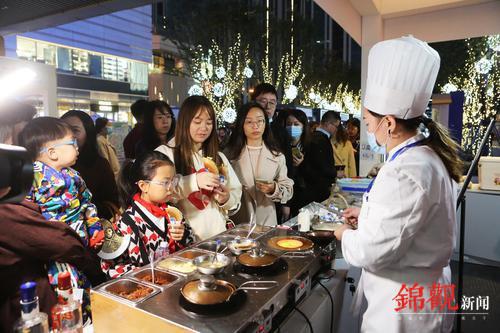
[{"x": 127, "y": 219}]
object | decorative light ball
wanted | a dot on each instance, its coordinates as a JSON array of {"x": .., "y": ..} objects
[
  {"x": 483, "y": 66},
  {"x": 449, "y": 87},
  {"x": 317, "y": 99},
  {"x": 489, "y": 92},
  {"x": 195, "y": 90},
  {"x": 219, "y": 90},
  {"x": 229, "y": 115},
  {"x": 291, "y": 92},
  {"x": 248, "y": 72},
  {"x": 351, "y": 107},
  {"x": 494, "y": 42},
  {"x": 323, "y": 104},
  {"x": 312, "y": 95},
  {"x": 220, "y": 72}
]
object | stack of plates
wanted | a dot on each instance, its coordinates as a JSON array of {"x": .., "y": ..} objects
[{"x": 358, "y": 185}]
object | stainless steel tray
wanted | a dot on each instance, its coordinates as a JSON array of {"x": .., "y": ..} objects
[
  {"x": 168, "y": 276},
  {"x": 211, "y": 244},
  {"x": 170, "y": 268},
  {"x": 190, "y": 254},
  {"x": 116, "y": 287}
]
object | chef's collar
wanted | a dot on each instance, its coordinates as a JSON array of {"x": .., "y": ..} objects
[{"x": 411, "y": 140}]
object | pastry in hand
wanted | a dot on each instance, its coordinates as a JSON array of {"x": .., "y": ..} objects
[
  {"x": 175, "y": 214},
  {"x": 210, "y": 165}
]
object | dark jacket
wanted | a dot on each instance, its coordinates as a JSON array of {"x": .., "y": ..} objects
[
  {"x": 131, "y": 140},
  {"x": 100, "y": 180},
  {"x": 27, "y": 243},
  {"x": 318, "y": 167}
]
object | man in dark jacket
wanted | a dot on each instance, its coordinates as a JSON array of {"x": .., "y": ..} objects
[{"x": 319, "y": 165}]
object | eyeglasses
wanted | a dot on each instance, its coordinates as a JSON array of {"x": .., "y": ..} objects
[
  {"x": 167, "y": 184},
  {"x": 265, "y": 102},
  {"x": 251, "y": 123},
  {"x": 73, "y": 143}
]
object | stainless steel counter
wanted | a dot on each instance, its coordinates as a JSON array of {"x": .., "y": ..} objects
[{"x": 163, "y": 310}]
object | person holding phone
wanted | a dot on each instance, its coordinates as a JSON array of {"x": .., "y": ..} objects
[{"x": 260, "y": 166}]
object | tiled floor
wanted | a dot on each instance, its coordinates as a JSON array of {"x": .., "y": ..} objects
[{"x": 483, "y": 281}]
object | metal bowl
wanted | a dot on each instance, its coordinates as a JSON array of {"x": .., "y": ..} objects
[
  {"x": 205, "y": 265},
  {"x": 239, "y": 245}
]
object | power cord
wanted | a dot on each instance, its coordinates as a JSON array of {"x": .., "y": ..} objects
[
  {"x": 307, "y": 319},
  {"x": 331, "y": 301}
]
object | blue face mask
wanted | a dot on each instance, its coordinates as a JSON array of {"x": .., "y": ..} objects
[
  {"x": 109, "y": 130},
  {"x": 294, "y": 131},
  {"x": 372, "y": 141}
]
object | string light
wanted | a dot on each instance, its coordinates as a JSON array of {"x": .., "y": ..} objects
[
  {"x": 340, "y": 99},
  {"x": 223, "y": 85},
  {"x": 481, "y": 85}
]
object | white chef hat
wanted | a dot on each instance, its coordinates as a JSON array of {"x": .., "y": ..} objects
[{"x": 401, "y": 76}]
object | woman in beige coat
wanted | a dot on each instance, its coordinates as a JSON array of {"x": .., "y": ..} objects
[
  {"x": 260, "y": 167},
  {"x": 106, "y": 149}
]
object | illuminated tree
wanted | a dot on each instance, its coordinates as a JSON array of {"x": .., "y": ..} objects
[
  {"x": 220, "y": 76},
  {"x": 481, "y": 86},
  {"x": 326, "y": 97}
]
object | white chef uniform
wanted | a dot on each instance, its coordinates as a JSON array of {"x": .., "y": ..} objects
[{"x": 407, "y": 224}]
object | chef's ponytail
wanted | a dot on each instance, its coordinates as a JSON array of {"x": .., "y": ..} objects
[
  {"x": 142, "y": 168},
  {"x": 446, "y": 148}
]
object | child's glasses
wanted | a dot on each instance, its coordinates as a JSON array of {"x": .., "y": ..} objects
[
  {"x": 73, "y": 143},
  {"x": 167, "y": 184}
]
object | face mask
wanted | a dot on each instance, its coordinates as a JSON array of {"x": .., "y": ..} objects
[
  {"x": 109, "y": 130},
  {"x": 294, "y": 131},
  {"x": 372, "y": 141}
]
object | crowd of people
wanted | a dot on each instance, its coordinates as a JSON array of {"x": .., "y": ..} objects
[{"x": 262, "y": 169}]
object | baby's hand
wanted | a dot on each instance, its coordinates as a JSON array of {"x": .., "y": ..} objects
[{"x": 97, "y": 240}]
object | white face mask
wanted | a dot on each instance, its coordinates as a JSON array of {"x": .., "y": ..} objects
[{"x": 372, "y": 141}]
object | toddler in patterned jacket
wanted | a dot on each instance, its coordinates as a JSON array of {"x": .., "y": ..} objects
[{"x": 59, "y": 190}]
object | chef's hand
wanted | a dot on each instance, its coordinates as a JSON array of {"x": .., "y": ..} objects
[
  {"x": 176, "y": 231},
  {"x": 297, "y": 160},
  {"x": 351, "y": 216},
  {"x": 221, "y": 194},
  {"x": 340, "y": 231},
  {"x": 266, "y": 188},
  {"x": 207, "y": 180}
]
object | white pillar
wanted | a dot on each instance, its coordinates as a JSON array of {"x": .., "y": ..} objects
[{"x": 372, "y": 32}]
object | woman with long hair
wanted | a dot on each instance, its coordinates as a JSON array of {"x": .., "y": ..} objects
[
  {"x": 93, "y": 168},
  {"x": 158, "y": 128},
  {"x": 343, "y": 153},
  {"x": 260, "y": 166},
  {"x": 205, "y": 197},
  {"x": 407, "y": 222}
]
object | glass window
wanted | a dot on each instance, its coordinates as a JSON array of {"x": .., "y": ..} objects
[
  {"x": 46, "y": 53},
  {"x": 26, "y": 49},
  {"x": 95, "y": 65},
  {"x": 64, "y": 59},
  {"x": 80, "y": 61},
  {"x": 109, "y": 68},
  {"x": 123, "y": 70},
  {"x": 138, "y": 76}
]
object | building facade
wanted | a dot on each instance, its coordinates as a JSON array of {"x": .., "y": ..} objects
[{"x": 102, "y": 62}]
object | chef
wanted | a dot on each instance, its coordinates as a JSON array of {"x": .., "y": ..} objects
[{"x": 407, "y": 223}]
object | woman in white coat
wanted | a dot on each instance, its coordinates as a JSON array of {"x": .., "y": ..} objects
[
  {"x": 204, "y": 199},
  {"x": 407, "y": 223},
  {"x": 259, "y": 165}
]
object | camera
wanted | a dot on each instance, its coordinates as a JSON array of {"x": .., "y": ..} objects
[{"x": 16, "y": 173}]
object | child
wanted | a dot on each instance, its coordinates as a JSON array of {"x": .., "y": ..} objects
[
  {"x": 59, "y": 190},
  {"x": 145, "y": 186},
  {"x": 204, "y": 199}
]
